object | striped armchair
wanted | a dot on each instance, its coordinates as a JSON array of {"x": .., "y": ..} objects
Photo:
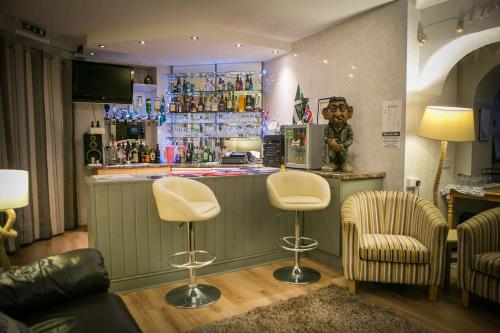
[
  {"x": 479, "y": 256},
  {"x": 393, "y": 237}
]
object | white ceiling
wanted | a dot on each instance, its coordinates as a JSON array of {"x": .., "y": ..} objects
[{"x": 261, "y": 26}]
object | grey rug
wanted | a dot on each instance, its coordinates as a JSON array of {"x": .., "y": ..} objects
[{"x": 329, "y": 309}]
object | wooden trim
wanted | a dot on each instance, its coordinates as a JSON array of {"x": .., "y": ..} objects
[
  {"x": 351, "y": 286},
  {"x": 433, "y": 293}
]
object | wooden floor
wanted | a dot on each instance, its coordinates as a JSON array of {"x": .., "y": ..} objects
[
  {"x": 247, "y": 289},
  {"x": 70, "y": 240}
]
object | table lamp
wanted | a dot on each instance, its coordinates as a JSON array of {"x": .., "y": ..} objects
[
  {"x": 14, "y": 193},
  {"x": 446, "y": 123}
]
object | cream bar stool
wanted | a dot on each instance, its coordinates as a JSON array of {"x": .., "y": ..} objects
[
  {"x": 298, "y": 191},
  {"x": 187, "y": 201}
]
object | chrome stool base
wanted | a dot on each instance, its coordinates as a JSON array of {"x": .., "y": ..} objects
[
  {"x": 297, "y": 275},
  {"x": 192, "y": 297}
]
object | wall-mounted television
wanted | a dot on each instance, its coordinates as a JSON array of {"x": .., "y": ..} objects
[{"x": 102, "y": 83}]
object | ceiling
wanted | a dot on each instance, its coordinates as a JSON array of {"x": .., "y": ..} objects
[{"x": 261, "y": 26}]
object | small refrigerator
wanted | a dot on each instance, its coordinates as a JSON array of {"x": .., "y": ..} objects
[{"x": 304, "y": 146}]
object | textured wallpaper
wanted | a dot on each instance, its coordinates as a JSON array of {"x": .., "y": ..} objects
[{"x": 362, "y": 59}]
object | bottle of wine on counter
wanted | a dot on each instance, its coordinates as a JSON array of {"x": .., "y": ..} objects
[
  {"x": 151, "y": 155},
  {"x": 135, "y": 153},
  {"x": 157, "y": 155}
]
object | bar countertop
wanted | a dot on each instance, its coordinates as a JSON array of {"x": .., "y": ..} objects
[{"x": 223, "y": 172}]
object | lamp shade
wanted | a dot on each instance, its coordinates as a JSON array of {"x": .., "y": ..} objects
[
  {"x": 14, "y": 189},
  {"x": 447, "y": 123}
]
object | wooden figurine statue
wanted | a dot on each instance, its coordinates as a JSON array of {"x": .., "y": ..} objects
[{"x": 338, "y": 135}]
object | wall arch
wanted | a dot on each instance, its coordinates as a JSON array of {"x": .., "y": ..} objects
[{"x": 438, "y": 66}]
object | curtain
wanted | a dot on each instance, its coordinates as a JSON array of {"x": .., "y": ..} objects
[{"x": 35, "y": 136}]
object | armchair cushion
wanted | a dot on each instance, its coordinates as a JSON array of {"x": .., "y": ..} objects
[
  {"x": 487, "y": 263},
  {"x": 392, "y": 248}
]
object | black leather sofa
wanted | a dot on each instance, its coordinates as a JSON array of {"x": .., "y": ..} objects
[{"x": 64, "y": 293}]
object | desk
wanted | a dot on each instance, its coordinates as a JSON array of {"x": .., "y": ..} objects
[{"x": 492, "y": 194}]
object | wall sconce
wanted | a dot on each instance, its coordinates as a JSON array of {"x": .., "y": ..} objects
[
  {"x": 460, "y": 26},
  {"x": 421, "y": 35},
  {"x": 421, "y": 39}
]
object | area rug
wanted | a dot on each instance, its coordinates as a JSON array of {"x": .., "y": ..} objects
[{"x": 329, "y": 309}]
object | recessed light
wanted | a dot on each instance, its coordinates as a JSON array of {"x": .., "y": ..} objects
[
  {"x": 194, "y": 37},
  {"x": 325, "y": 61},
  {"x": 101, "y": 46},
  {"x": 237, "y": 45},
  {"x": 353, "y": 67},
  {"x": 351, "y": 75},
  {"x": 295, "y": 54},
  {"x": 142, "y": 42},
  {"x": 275, "y": 51},
  {"x": 92, "y": 53}
]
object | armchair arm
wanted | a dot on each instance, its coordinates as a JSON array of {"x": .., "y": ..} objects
[
  {"x": 431, "y": 229},
  {"x": 350, "y": 237},
  {"x": 53, "y": 280},
  {"x": 476, "y": 235}
]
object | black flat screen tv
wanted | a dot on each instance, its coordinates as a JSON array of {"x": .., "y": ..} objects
[{"x": 102, "y": 83}]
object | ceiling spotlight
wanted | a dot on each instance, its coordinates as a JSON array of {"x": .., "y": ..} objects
[
  {"x": 325, "y": 61},
  {"x": 92, "y": 53},
  {"x": 295, "y": 54},
  {"x": 194, "y": 37},
  {"x": 460, "y": 26},
  {"x": 142, "y": 42},
  {"x": 353, "y": 67},
  {"x": 275, "y": 51},
  {"x": 101, "y": 46},
  {"x": 237, "y": 45},
  {"x": 351, "y": 75}
]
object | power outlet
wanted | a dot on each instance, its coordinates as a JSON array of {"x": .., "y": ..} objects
[{"x": 411, "y": 182}]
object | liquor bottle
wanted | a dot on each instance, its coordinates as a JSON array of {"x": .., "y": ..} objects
[
  {"x": 152, "y": 155},
  {"x": 182, "y": 154},
  {"x": 258, "y": 102},
  {"x": 113, "y": 154},
  {"x": 147, "y": 158},
  {"x": 172, "y": 106},
  {"x": 148, "y": 106},
  {"x": 237, "y": 83},
  {"x": 229, "y": 103},
  {"x": 158, "y": 154},
  {"x": 189, "y": 155},
  {"x": 248, "y": 103},
  {"x": 200, "y": 107},
  {"x": 178, "y": 86},
  {"x": 219, "y": 84},
  {"x": 177, "y": 157},
  {"x": 217, "y": 153},
  {"x": 208, "y": 104},
  {"x": 206, "y": 152},
  {"x": 222, "y": 104},
  {"x": 135, "y": 153},
  {"x": 183, "y": 89},
  {"x": 215, "y": 105},
  {"x": 241, "y": 103},
  {"x": 247, "y": 83},
  {"x": 188, "y": 87},
  {"x": 250, "y": 84},
  {"x": 140, "y": 153}
]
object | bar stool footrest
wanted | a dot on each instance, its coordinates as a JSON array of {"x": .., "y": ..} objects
[
  {"x": 288, "y": 243},
  {"x": 206, "y": 259}
]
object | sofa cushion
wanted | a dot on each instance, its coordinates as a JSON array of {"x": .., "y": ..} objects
[
  {"x": 96, "y": 313},
  {"x": 10, "y": 325},
  {"x": 487, "y": 263},
  {"x": 392, "y": 248}
]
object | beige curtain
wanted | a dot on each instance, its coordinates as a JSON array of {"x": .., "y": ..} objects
[
  {"x": 36, "y": 135},
  {"x": 54, "y": 131}
]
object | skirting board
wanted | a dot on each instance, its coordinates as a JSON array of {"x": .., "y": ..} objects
[
  {"x": 169, "y": 277},
  {"x": 325, "y": 258}
]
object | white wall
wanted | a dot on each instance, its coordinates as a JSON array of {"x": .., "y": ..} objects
[{"x": 375, "y": 43}]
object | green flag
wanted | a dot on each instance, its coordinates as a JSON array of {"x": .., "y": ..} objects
[{"x": 297, "y": 114}]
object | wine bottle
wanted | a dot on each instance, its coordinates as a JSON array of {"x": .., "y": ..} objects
[
  {"x": 158, "y": 154},
  {"x": 229, "y": 103},
  {"x": 183, "y": 91},
  {"x": 147, "y": 158},
  {"x": 178, "y": 86},
  {"x": 135, "y": 153},
  {"x": 247, "y": 83},
  {"x": 140, "y": 155},
  {"x": 152, "y": 155},
  {"x": 237, "y": 83},
  {"x": 250, "y": 84}
]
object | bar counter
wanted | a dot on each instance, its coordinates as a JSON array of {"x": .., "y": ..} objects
[{"x": 124, "y": 224}]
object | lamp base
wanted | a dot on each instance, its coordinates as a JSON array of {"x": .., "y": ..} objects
[
  {"x": 5, "y": 233},
  {"x": 442, "y": 155}
]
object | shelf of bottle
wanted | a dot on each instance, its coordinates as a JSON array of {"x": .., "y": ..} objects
[
  {"x": 223, "y": 112},
  {"x": 198, "y": 92},
  {"x": 215, "y": 137},
  {"x": 214, "y": 74}
]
